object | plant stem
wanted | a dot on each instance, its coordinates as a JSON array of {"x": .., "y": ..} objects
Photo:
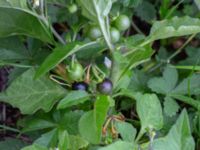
[
  {"x": 136, "y": 28},
  {"x": 45, "y": 20},
  {"x": 174, "y": 54}
]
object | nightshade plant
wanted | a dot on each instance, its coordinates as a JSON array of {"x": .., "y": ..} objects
[{"x": 84, "y": 81}]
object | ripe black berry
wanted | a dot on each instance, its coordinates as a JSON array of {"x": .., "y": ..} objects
[
  {"x": 105, "y": 87},
  {"x": 80, "y": 86}
]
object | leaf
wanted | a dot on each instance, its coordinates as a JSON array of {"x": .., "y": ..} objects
[
  {"x": 76, "y": 142},
  {"x": 126, "y": 130},
  {"x": 146, "y": 11},
  {"x": 63, "y": 140},
  {"x": 10, "y": 52},
  {"x": 119, "y": 145},
  {"x": 87, "y": 128},
  {"x": 187, "y": 100},
  {"x": 58, "y": 55},
  {"x": 17, "y": 21},
  {"x": 47, "y": 138},
  {"x": 165, "y": 84},
  {"x": 73, "y": 98},
  {"x": 171, "y": 107},
  {"x": 150, "y": 111},
  {"x": 69, "y": 121},
  {"x": 190, "y": 85},
  {"x": 178, "y": 138},
  {"x": 94, "y": 8},
  {"x": 34, "y": 124},
  {"x": 12, "y": 144},
  {"x": 91, "y": 123},
  {"x": 177, "y": 26},
  {"x": 31, "y": 95},
  {"x": 197, "y": 2},
  {"x": 97, "y": 11},
  {"x": 34, "y": 147}
]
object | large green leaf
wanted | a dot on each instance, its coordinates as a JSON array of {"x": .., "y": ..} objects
[
  {"x": 73, "y": 98},
  {"x": 178, "y": 138},
  {"x": 18, "y": 21},
  {"x": 150, "y": 111},
  {"x": 119, "y": 145},
  {"x": 177, "y": 26},
  {"x": 76, "y": 142},
  {"x": 31, "y": 95},
  {"x": 59, "y": 54}
]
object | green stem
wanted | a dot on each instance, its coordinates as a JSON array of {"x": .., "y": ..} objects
[{"x": 174, "y": 54}]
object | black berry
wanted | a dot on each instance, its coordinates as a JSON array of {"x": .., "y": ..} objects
[
  {"x": 105, "y": 87},
  {"x": 80, "y": 86}
]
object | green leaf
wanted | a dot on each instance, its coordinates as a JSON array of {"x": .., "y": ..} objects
[
  {"x": 97, "y": 11},
  {"x": 87, "y": 128},
  {"x": 119, "y": 145},
  {"x": 47, "y": 139},
  {"x": 94, "y": 8},
  {"x": 59, "y": 54},
  {"x": 150, "y": 111},
  {"x": 10, "y": 52},
  {"x": 31, "y": 95},
  {"x": 171, "y": 107},
  {"x": 126, "y": 130},
  {"x": 165, "y": 84},
  {"x": 101, "y": 107},
  {"x": 63, "y": 140},
  {"x": 34, "y": 147},
  {"x": 17, "y": 21},
  {"x": 178, "y": 138},
  {"x": 69, "y": 121},
  {"x": 146, "y": 11},
  {"x": 187, "y": 100},
  {"x": 12, "y": 144},
  {"x": 190, "y": 85},
  {"x": 34, "y": 124},
  {"x": 76, "y": 142},
  {"x": 73, "y": 98},
  {"x": 177, "y": 26}
]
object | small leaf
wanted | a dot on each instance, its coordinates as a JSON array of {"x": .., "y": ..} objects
[
  {"x": 171, "y": 107},
  {"x": 126, "y": 130},
  {"x": 177, "y": 26},
  {"x": 73, "y": 98},
  {"x": 178, "y": 138},
  {"x": 31, "y": 95},
  {"x": 150, "y": 111}
]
